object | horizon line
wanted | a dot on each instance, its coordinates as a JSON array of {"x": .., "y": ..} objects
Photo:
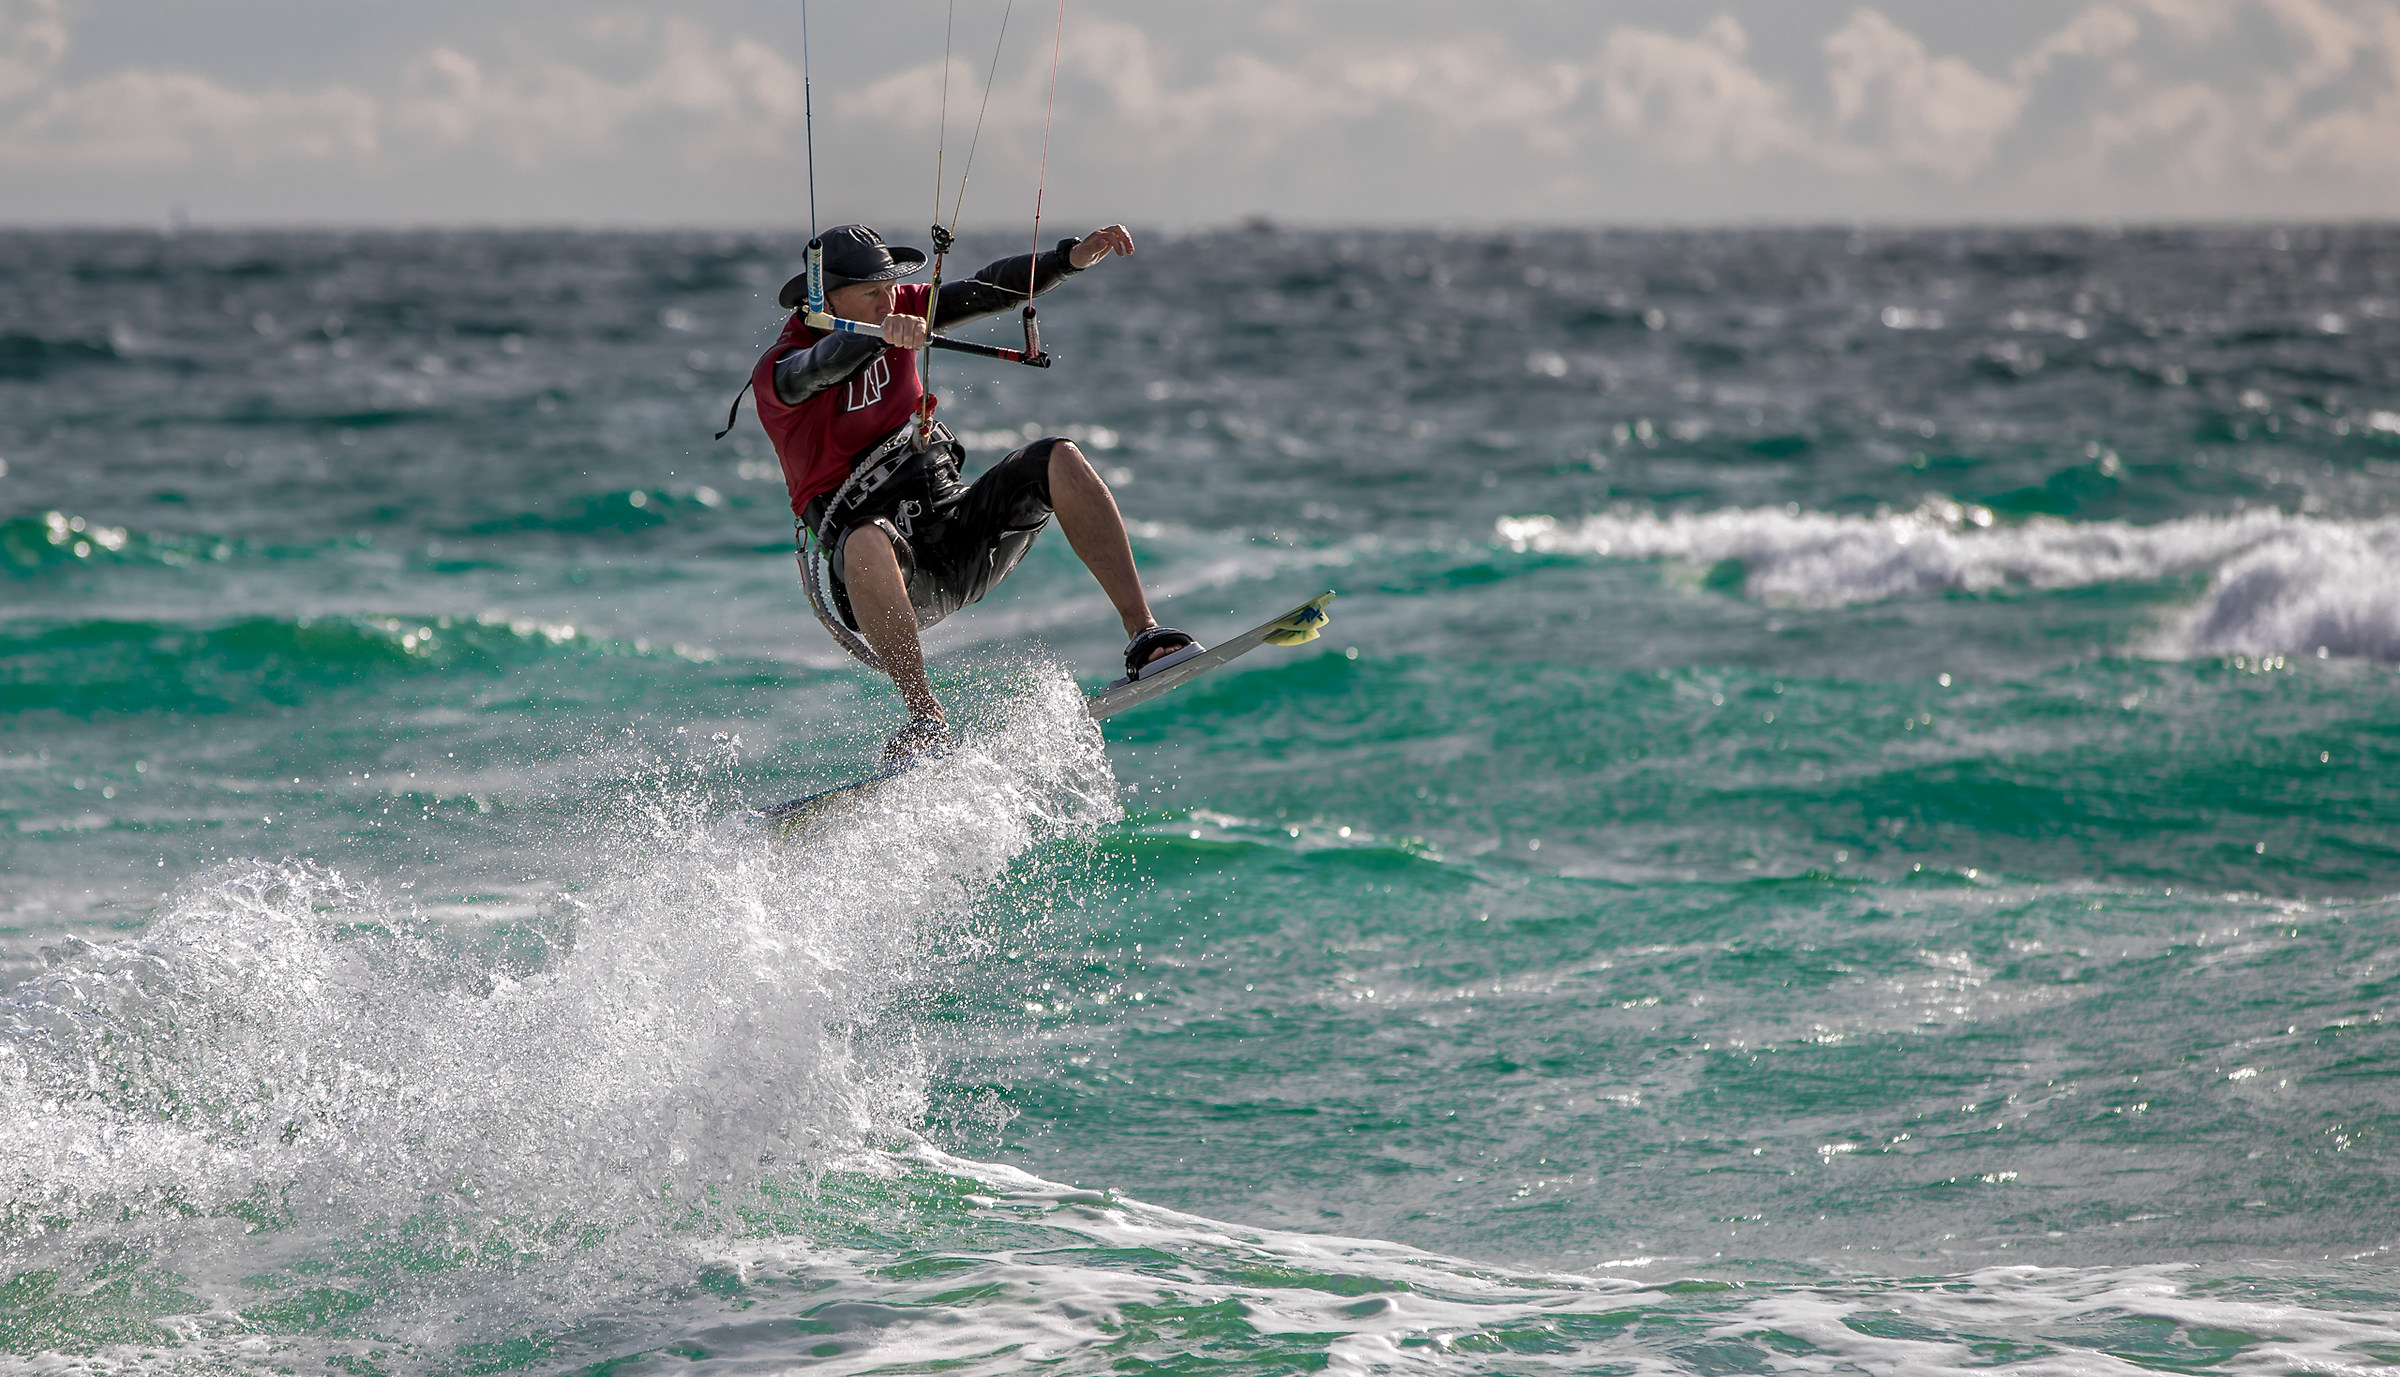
[{"x": 174, "y": 226}]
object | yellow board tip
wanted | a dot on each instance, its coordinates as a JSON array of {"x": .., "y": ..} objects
[{"x": 1303, "y": 624}]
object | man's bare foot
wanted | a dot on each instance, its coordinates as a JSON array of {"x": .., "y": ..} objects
[{"x": 924, "y": 738}]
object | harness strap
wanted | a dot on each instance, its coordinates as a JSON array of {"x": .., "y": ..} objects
[
  {"x": 878, "y": 465},
  {"x": 882, "y": 461}
]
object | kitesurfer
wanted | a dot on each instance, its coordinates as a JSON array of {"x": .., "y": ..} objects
[{"x": 873, "y": 476}]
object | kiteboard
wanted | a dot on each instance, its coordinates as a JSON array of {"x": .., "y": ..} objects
[
  {"x": 794, "y": 813},
  {"x": 1296, "y": 627}
]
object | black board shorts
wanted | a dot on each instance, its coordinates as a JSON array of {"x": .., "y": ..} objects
[{"x": 953, "y": 547}]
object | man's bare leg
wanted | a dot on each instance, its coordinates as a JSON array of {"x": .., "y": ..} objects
[
  {"x": 1088, "y": 513},
  {"x": 879, "y": 599}
]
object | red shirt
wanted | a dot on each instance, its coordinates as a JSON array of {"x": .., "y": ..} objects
[{"x": 817, "y": 439}]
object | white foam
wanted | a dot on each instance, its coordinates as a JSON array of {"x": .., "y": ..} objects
[
  {"x": 2277, "y": 584},
  {"x": 1038, "y": 1274},
  {"x": 2334, "y": 586},
  {"x": 294, "y": 1043}
]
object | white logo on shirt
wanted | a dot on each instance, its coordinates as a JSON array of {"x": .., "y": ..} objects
[{"x": 866, "y": 389}]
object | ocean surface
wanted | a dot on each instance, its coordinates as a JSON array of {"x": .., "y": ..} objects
[{"x": 1847, "y": 819}]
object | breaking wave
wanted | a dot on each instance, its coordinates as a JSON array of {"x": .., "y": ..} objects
[{"x": 2277, "y": 584}]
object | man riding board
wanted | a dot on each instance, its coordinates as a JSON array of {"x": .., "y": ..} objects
[{"x": 907, "y": 542}]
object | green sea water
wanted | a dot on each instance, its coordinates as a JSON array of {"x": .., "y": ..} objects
[{"x": 1844, "y": 820}]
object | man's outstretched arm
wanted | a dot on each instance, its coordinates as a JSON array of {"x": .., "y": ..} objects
[{"x": 1000, "y": 286}]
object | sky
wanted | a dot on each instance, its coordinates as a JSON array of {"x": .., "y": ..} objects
[{"x": 1204, "y": 112}]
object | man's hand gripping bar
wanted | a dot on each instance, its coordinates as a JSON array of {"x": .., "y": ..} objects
[
  {"x": 818, "y": 319},
  {"x": 1031, "y": 355}
]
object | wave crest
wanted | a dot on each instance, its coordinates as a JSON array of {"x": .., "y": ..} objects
[{"x": 2278, "y": 584}]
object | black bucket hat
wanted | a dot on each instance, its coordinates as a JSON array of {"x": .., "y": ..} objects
[{"x": 853, "y": 253}]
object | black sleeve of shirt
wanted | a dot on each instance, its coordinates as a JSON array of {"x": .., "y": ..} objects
[
  {"x": 803, "y": 373},
  {"x": 1001, "y": 286}
]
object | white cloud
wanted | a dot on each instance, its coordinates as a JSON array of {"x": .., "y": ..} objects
[
  {"x": 2311, "y": 93},
  {"x": 733, "y": 99},
  {"x": 2099, "y": 32},
  {"x": 2332, "y": 40},
  {"x": 2125, "y": 107},
  {"x": 1245, "y": 103},
  {"x": 728, "y": 99},
  {"x": 2135, "y": 99},
  {"x": 1918, "y": 110},
  {"x": 1693, "y": 100},
  {"x": 32, "y": 36},
  {"x": 140, "y": 119},
  {"x": 2127, "y": 100},
  {"x": 2361, "y": 49}
]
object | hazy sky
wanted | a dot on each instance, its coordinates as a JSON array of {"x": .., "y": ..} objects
[{"x": 1201, "y": 112}]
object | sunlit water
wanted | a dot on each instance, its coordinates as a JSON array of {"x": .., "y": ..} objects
[{"x": 1844, "y": 821}]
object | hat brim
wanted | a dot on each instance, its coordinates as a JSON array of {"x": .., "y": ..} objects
[{"x": 905, "y": 263}]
